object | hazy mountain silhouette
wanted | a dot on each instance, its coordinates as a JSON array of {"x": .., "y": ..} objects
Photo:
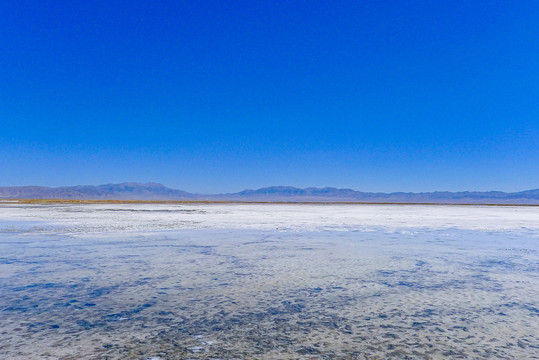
[
  {"x": 123, "y": 191},
  {"x": 288, "y": 193},
  {"x": 155, "y": 191}
]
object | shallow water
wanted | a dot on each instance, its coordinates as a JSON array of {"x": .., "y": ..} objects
[{"x": 270, "y": 282}]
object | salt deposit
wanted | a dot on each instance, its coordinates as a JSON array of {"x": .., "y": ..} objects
[{"x": 218, "y": 281}]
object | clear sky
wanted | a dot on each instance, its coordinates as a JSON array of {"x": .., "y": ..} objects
[{"x": 218, "y": 96}]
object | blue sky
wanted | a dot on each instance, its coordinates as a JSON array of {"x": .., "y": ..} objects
[{"x": 218, "y": 96}]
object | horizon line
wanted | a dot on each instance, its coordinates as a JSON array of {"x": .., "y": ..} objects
[
  {"x": 271, "y": 186},
  {"x": 239, "y": 202}
]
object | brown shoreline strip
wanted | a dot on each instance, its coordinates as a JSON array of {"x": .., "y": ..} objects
[{"x": 75, "y": 201}]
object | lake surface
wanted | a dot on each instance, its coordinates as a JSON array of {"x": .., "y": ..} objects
[{"x": 218, "y": 281}]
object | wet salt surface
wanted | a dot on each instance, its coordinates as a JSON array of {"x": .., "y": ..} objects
[{"x": 266, "y": 281}]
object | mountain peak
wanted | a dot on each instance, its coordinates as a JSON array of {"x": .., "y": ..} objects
[{"x": 157, "y": 191}]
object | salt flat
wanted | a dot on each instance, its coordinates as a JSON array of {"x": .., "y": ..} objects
[
  {"x": 272, "y": 281},
  {"x": 297, "y": 217}
]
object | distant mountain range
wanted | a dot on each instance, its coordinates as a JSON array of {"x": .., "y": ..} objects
[
  {"x": 155, "y": 191},
  {"x": 123, "y": 191}
]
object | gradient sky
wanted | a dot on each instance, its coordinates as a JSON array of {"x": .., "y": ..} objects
[{"x": 218, "y": 96}]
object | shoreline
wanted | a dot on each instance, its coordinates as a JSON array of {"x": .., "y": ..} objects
[{"x": 242, "y": 202}]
